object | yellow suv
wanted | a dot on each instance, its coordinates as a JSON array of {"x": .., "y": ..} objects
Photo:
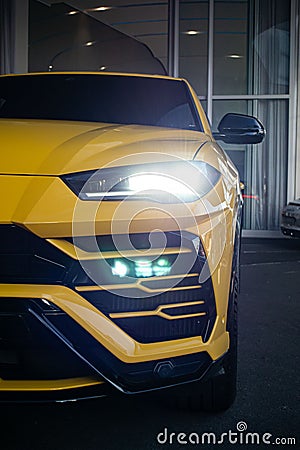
[{"x": 120, "y": 227}]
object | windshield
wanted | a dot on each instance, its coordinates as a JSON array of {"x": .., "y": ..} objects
[{"x": 99, "y": 98}]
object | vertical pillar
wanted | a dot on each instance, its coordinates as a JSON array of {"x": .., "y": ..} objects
[
  {"x": 210, "y": 70},
  {"x": 20, "y": 18},
  {"x": 14, "y": 36},
  {"x": 6, "y": 36},
  {"x": 293, "y": 176},
  {"x": 173, "y": 38},
  {"x": 297, "y": 128}
]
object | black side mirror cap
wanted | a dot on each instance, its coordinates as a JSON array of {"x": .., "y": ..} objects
[{"x": 240, "y": 129}]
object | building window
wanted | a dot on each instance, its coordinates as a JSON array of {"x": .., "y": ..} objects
[
  {"x": 193, "y": 43},
  {"x": 98, "y": 39},
  {"x": 245, "y": 68},
  {"x": 231, "y": 39}
]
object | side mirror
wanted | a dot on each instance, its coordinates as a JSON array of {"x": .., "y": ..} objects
[{"x": 240, "y": 129}]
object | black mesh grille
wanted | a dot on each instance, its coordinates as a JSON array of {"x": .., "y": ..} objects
[
  {"x": 155, "y": 328},
  {"x": 112, "y": 303}
]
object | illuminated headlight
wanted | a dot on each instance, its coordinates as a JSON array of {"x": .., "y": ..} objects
[{"x": 166, "y": 182}]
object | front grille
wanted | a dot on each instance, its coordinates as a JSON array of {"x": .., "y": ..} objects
[
  {"x": 26, "y": 258},
  {"x": 146, "y": 316},
  {"x": 154, "y": 328},
  {"x": 288, "y": 220},
  {"x": 111, "y": 303}
]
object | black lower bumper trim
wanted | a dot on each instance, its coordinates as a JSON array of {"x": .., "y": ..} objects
[
  {"x": 73, "y": 352},
  {"x": 98, "y": 391},
  {"x": 290, "y": 232},
  {"x": 128, "y": 378}
]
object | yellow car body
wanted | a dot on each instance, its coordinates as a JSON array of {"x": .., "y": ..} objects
[{"x": 39, "y": 206}]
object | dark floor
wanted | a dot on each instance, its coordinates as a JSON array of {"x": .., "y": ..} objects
[{"x": 268, "y": 379}]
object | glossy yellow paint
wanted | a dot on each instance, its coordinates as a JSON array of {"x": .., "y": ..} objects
[
  {"x": 140, "y": 284},
  {"x": 77, "y": 253},
  {"x": 33, "y": 202},
  {"x": 49, "y": 385},
  {"x": 37, "y": 199},
  {"x": 71, "y": 147},
  {"x": 37, "y": 209},
  {"x": 107, "y": 333}
]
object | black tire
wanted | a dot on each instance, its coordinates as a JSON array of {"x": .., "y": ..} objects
[{"x": 220, "y": 391}]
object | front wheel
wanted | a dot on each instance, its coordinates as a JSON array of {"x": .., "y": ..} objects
[{"x": 220, "y": 391}]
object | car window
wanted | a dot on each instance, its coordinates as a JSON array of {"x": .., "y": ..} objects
[{"x": 99, "y": 98}]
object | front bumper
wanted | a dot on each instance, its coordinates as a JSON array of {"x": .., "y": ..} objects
[
  {"x": 75, "y": 389},
  {"x": 290, "y": 220},
  {"x": 70, "y": 328}
]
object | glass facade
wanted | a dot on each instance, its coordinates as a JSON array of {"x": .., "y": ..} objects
[
  {"x": 269, "y": 44},
  {"x": 193, "y": 44},
  {"x": 245, "y": 68},
  {"x": 262, "y": 167},
  {"x": 239, "y": 55},
  {"x": 230, "y": 50},
  {"x": 144, "y": 20},
  {"x": 64, "y": 38}
]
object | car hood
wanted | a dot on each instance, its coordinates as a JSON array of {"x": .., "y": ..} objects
[{"x": 37, "y": 147}]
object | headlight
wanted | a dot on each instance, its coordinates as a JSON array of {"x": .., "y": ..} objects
[{"x": 167, "y": 182}]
